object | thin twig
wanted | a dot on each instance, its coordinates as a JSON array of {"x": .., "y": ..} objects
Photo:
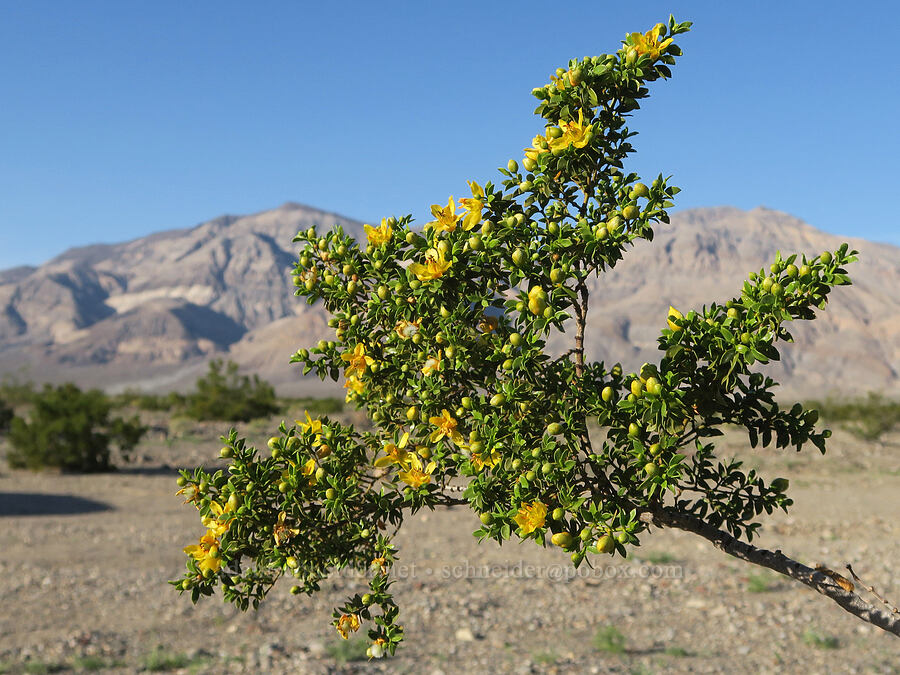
[
  {"x": 778, "y": 562},
  {"x": 872, "y": 591}
]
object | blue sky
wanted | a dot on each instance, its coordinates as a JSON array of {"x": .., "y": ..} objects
[{"x": 121, "y": 119}]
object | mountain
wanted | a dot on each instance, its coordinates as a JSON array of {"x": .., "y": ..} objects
[{"x": 149, "y": 313}]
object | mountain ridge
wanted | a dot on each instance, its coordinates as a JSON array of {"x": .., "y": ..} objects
[{"x": 149, "y": 312}]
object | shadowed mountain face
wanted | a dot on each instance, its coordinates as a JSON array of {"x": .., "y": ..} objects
[{"x": 149, "y": 313}]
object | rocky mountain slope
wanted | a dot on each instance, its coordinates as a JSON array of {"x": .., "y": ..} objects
[{"x": 150, "y": 312}]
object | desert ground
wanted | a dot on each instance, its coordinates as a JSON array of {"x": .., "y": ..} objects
[{"x": 84, "y": 561}]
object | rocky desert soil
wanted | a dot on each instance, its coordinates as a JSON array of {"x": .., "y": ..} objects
[{"x": 84, "y": 561}]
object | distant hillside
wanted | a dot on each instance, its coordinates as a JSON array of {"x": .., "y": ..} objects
[{"x": 150, "y": 312}]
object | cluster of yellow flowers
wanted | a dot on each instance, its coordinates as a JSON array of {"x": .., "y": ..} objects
[
  {"x": 557, "y": 139},
  {"x": 206, "y": 552}
]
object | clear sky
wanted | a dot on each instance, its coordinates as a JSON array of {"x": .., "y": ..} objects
[{"x": 118, "y": 119}]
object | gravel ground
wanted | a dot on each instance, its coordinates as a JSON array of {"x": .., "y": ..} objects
[{"x": 84, "y": 561}]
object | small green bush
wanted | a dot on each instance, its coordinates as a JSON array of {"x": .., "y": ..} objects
[
  {"x": 609, "y": 639},
  {"x": 71, "y": 430},
  {"x": 151, "y": 402},
  {"x": 15, "y": 392},
  {"x": 6, "y": 416},
  {"x": 869, "y": 418},
  {"x": 223, "y": 394}
]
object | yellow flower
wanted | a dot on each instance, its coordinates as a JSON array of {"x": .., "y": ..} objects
[
  {"x": 191, "y": 493},
  {"x": 539, "y": 145},
  {"x": 531, "y": 517},
  {"x": 434, "y": 267},
  {"x": 474, "y": 206},
  {"x": 674, "y": 314},
  {"x": 379, "y": 236},
  {"x": 220, "y": 520},
  {"x": 346, "y": 624},
  {"x": 282, "y": 532},
  {"x": 206, "y": 553},
  {"x": 446, "y": 427},
  {"x": 481, "y": 460},
  {"x": 432, "y": 364},
  {"x": 358, "y": 361},
  {"x": 445, "y": 218},
  {"x": 355, "y": 386},
  {"x": 406, "y": 329},
  {"x": 488, "y": 324},
  {"x": 577, "y": 134},
  {"x": 379, "y": 563},
  {"x": 415, "y": 475},
  {"x": 395, "y": 453},
  {"x": 309, "y": 469},
  {"x": 649, "y": 44},
  {"x": 310, "y": 425}
]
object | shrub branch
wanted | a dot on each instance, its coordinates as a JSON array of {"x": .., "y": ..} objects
[{"x": 776, "y": 561}]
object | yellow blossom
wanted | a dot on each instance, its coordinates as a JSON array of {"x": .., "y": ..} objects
[
  {"x": 220, "y": 520},
  {"x": 309, "y": 469},
  {"x": 348, "y": 623},
  {"x": 446, "y": 427},
  {"x": 281, "y": 531},
  {"x": 310, "y": 425},
  {"x": 355, "y": 386},
  {"x": 206, "y": 553},
  {"x": 575, "y": 133},
  {"x": 531, "y": 517},
  {"x": 445, "y": 218},
  {"x": 674, "y": 314},
  {"x": 406, "y": 329},
  {"x": 395, "y": 453},
  {"x": 481, "y": 460},
  {"x": 379, "y": 563},
  {"x": 191, "y": 493},
  {"x": 432, "y": 364},
  {"x": 539, "y": 145},
  {"x": 379, "y": 236},
  {"x": 358, "y": 361},
  {"x": 474, "y": 206},
  {"x": 488, "y": 324},
  {"x": 434, "y": 267},
  {"x": 649, "y": 43},
  {"x": 416, "y": 476}
]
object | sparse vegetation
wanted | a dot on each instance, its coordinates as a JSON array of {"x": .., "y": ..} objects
[
  {"x": 869, "y": 418},
  {"x": 814, "y": 638},
  {"x": 609, "y": 639},
  {"x": 760, "y": 583},
  {"x": 223, "y": 394},
  {"x": 345, "y": 651},
  {"x": 658, "y": 557},
  {"x": 151, "y": 402},
  {"x": 162, "y": 659},
  {"x": 72, "y": 430}
]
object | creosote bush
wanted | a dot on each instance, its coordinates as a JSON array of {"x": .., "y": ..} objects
[
  {"x": 71, "y": 429},
  {"x": 223, "y": 394},
  {"x": 6, "y": 416},
  {"x": 441, "y": 335}
]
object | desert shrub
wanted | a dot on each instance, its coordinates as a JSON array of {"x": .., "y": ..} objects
[
  {"x": 15, "y": 392},
  {"x": 318, "y": 406},
  {"x": 869, "y": 418},
  {"x": 170, "y": 402},
  {"x": 442, "y": 339},
  {"x": 224, "y": 394},
  {"x": 6, "y": 416},
  {"x": 72, "y": 430}
]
